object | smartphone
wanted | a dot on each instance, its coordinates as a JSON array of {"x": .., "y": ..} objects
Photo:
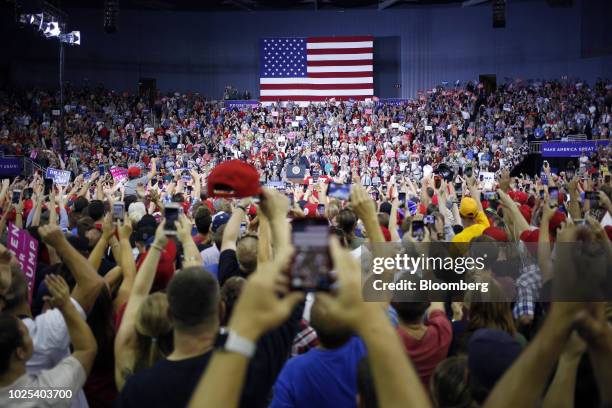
[
  {"x": 291, "y": 201},
  {"x": 340, "y": 191},
  {"x": 16, "y": 196},
  {"x": 553, "y": 193},
  {"x": 437, "y": 181},
  {"x": 491, "y": 195},
  {"x": 374, "y": 195},
  {"x": 118, "y": 211},
  {"x": 429, "y": 219},
  {"x": 321, "y": 210},
  {"x": 243, "y": 227},
  {"x": 48, "y": 186},
  {"x": 418, "y": 230},
  {"x": 593, "y": 197},
  {"x": 311, "y": 266},
  {"x": 468, "y": 172},
  {"x": 171, "y": 214},
  {"x": 101, "y": 169},
  {"x": 401, "y": 197}
]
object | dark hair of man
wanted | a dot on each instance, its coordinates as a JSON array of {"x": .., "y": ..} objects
[
  {"x": 383, "y": 219},
  {"x": 203, "y": 219},
  {"x": 129, "y": 200},
  {"x": 80, "y": 204},
  {"x": 229, "y": 295},
  {"x": 347, "y": 221},
  {"x": 331, "y": 335},
  {"x": 18, "y": 291},
  {"x": 449, "y": 386},
  {"x": 410, "y": 312},
  {"x": 95, "y": 209},
  {"x": 193, "y": 299},
  {"x": 10, "y": 340}
]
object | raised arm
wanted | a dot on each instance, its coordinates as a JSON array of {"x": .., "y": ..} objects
[
  {"x": 84, "y": 346},
  {"x": 108, "y": 231},
  {"x": 258, "y": 310},
  {"x": 191, "y": 255},
  {"x": 126, "y": 261},
  {"x": 395, "y": 380},
  {"x": 274, "y": 207},
  {"x": 125, "y": 341},
  {"x": 511, "y": 210},
  {"x": 393, "y": 221},
  {"x": 364, "y": 208},
  {"x": 88, "y": 282},
  {"x": 544, "y": 252},
  {"x": 232, "y": 228}
]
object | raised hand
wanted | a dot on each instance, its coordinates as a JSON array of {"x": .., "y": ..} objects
[{"x": 59, "y": 290}]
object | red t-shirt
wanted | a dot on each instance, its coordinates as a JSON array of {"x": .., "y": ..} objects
[{"x": 430, "y": 350}]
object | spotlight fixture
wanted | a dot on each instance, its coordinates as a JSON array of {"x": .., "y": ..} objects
[
  {"x": 51, "y": 29},
  {"x": 73, "y": 38}
]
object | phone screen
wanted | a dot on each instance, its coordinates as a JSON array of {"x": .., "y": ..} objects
[
  {"x": 311, "y": 269},
  {"x": 437, "y": 181},
  {"x": 171, "y": 214},
  {"x": 491, "y": 196},
  {"x": 118, "y": 211},
  {"x": 553, "y": 192},
  {"x": 101, "y": 169},
  {"x": 48, "y": 186},
  {"x": 340, "y": 191},
  {"x": 593, "y": 197},
  {"x": 321, "y": 210},
  {"x": 401, "y": 197},
  {"x": 418, "y": 230},
  {"x": 16, "y": 196}
]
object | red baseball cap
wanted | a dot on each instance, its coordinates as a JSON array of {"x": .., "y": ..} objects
[
  {"x": 134, "y": 171},
  {"x": 555, "y": 221},
  {"x": 496, "y": 233},
  {"x": 526, "y": 211},
  {"x": 234, "y": 178}
]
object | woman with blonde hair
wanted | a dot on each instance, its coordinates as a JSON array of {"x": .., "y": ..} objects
[{"x": 145, "y": 333}]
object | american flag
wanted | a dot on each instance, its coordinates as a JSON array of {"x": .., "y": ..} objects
[{"x": 316, "y": 68}]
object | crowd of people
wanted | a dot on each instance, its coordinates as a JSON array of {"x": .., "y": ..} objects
[{"x": 183, "y": 280}]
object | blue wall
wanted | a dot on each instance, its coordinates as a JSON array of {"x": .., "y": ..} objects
[{"x": 206, "y": 51}]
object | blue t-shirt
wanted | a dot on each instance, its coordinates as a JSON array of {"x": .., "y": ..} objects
[{"x": 320, "y": 378}]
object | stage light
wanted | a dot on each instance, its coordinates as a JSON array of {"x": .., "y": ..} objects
[
  {"x": 37, "y": 20},
  {"x": 73, "y": 38},
  {"x": 52, "y": 29}
]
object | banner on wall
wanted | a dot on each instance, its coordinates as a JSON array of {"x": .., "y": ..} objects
[
  {"x": 393, "y": 101},
  {"x": 59, "y": 177},
  {"x": 11, "y": 166},
  {"x": 571, "y": 149},
  {"x": 240, "y": 104},
  {"x": 25, "y": 248}
]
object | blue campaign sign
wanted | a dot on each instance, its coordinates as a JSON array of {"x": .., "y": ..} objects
[
  {"x": 571, "y": 149},
  {"x": 11, "y": 166},
  {"x": 60, "y": 177}
]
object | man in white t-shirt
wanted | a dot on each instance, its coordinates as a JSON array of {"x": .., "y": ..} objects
[
  {"x": 48, "y": 331},
  {"x": 59, "y": 385}
]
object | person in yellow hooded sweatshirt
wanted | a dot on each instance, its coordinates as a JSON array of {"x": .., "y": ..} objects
[{"x": 473, "y": 219}]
